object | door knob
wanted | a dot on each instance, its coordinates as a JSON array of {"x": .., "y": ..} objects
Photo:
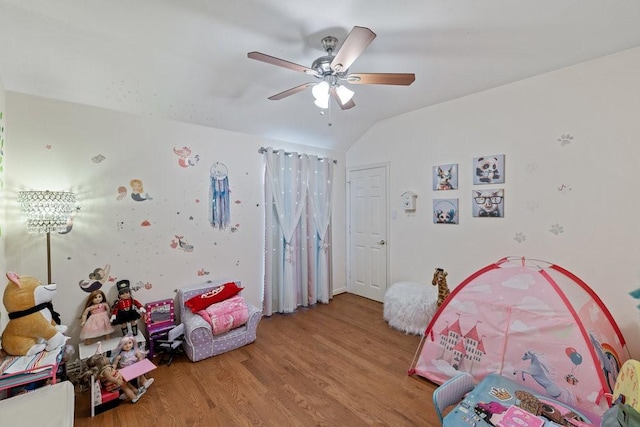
[{"x": 381, "y": 242}]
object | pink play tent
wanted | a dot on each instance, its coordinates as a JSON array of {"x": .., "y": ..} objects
[{"x": 531, "y": 321}]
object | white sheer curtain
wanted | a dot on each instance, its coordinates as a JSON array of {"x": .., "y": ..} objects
[
  {"x": 297, "y": 221},
  {"x": 319, "y": 182}
]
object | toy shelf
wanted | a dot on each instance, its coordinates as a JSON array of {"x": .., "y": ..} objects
[{"x": 88, "y": 350}]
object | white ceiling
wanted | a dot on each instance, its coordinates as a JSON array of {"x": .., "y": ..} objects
[{"x": 186, "y": 60}]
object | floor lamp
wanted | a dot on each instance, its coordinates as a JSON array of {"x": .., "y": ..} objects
[{"x": 46, "y": 211}]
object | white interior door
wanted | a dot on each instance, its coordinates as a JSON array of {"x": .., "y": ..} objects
[{"x": 368, "y": 232}]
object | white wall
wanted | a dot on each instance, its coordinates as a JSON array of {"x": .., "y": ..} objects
[
  {"x": 3, "y": 312},
  {"x": 51, "y": 145},
  {"x": 598, "y": 104}
]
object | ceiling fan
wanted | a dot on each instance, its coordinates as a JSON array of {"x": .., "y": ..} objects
[{"x": 333, "y": 70}]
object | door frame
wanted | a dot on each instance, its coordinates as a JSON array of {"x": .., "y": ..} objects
[{"x": 350, "y": 170}]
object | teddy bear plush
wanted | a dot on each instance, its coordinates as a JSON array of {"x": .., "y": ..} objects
[{"x": 31, "y": 328}]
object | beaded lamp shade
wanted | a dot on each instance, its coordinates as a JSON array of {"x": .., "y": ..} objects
[{"x": 46, "y": 211}]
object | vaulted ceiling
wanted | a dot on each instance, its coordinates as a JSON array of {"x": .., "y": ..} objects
[{"x": 187, "y": 60}]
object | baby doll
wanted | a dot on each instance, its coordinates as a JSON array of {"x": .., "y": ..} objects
[
  {"x": 126, "y": 310},
  {"x": 126, "y": 354},
  {"x": 110, "y": 378},
  {"x": 95, "y": 317}
]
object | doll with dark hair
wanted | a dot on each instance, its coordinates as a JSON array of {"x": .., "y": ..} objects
[
  {"x": 110, "y": 378},
  {"x": 126, "y": 310}
]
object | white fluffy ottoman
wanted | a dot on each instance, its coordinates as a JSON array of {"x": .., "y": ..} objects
[{"x": 409, "y": 306}]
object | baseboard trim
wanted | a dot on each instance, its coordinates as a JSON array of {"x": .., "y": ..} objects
[{"x": 339, "y": 291}]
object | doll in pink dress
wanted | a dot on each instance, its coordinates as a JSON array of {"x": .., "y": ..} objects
[{"x": 95, "y": 317}]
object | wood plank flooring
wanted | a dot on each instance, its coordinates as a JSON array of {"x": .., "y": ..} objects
[{"x": 338, "y": 364}]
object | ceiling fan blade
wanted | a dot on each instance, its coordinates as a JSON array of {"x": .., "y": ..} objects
[
  {"x": 355, "y": 43},
  {"x": 290, "y": 92},
  {"x": 346, "y": 105},
  {"x": 280, "y": 62},
  {"x": 402, "y": 79}
]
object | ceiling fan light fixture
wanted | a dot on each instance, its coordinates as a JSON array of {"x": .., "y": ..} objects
[
  {"x": 322, "y": 103},
  {"x": 344, "y": 93},
  {"x": 321, "y": 94},
  {"x": 320, "y": 90}
]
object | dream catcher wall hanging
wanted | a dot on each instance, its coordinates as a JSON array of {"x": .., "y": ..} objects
[{"x": 219, "y": 195}]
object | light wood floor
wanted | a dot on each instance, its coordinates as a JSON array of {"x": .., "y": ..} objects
[{"x": 338, "y": 364}]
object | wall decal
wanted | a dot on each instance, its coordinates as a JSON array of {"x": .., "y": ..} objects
[
  {"x": 181, "y": 243},
  {"x": 69, "y": 225},
  {"x": 97, "y": 278},
  {"x": 565, "y": 139},
  {"x": 220, "y": 216},
  {"x": 186, "y": 159},
  {"x": 138, "y": 285},
  {"x": 122, "y": 193},
  {"x": 520, "y": 237},
  {"x": 564, "y": 189},
  {"x": 488, "y": 169},
  {"x": 556, "y": 229},
  {"x": 98, "y": 159},
  {"x": 137, "y": 191}
]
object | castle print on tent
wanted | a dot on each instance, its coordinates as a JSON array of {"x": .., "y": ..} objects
[{"x": 533, "y": 322}]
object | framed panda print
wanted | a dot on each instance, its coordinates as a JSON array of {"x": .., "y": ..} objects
[{"x": 488, "y": 169}]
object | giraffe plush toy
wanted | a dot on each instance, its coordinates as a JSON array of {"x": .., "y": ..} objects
[{"x": 440, "y": 280}]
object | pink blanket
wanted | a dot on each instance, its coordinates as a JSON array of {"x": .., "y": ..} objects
[{"x": 226, "y": 315}]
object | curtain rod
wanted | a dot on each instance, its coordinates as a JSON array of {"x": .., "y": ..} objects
[{"x": 262, "y": 150}]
